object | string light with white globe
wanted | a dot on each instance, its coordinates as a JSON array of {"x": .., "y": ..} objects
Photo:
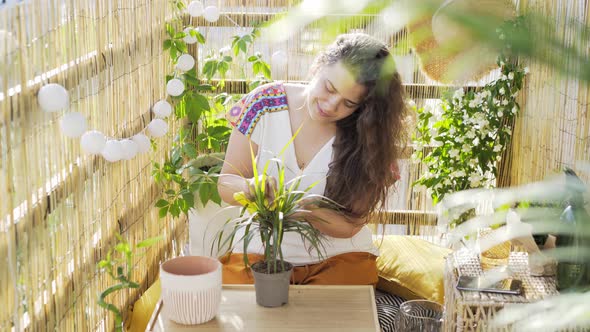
[{"x": 54, "y": 97}]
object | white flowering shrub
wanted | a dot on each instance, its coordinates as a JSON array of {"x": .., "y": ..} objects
[{"x": 467, "y": 135}]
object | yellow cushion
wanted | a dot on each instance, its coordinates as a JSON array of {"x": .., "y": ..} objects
[
  {"x": 144, "y": 307},
  {"x": 411, "y": 267}
]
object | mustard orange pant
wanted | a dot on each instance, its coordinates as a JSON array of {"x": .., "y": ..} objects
[{"x": 355, "y": 268}]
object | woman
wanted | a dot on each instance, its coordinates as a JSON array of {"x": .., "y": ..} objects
[{"x": 350, "y": 119}]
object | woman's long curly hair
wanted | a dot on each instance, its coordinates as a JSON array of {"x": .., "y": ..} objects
[{"x": 369, "y": 142}]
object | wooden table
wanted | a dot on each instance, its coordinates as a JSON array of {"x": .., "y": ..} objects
[{"x": 310, "y": 308}]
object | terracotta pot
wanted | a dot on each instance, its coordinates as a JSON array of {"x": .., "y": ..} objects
[
  {"x": 272, "y": 289},
  {"x": 191, "y": 289}
]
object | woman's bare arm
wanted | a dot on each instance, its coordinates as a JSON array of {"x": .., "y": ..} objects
[{"x": 237, "y": 167}]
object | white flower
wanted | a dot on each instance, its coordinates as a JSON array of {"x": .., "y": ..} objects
[
  {"x": 459, "y": 93},
  {"x": 437, "y": 112},
  {"x": 453, "y": 153},
  {"x": 466, "y": 116},
  {"x": 498, "y": 148},
  {"x": 418, "y": 146},
  {"x": 498, "y": 158},
  {"x": 526, "y": 70},
  {"x": 514, "y": 110},
  {"x": 460, "y": 173},
  {"x": 459, "y": 139},
  {"x": 496, "y": 102},
  {"x": 447, "y": 182},
  {"x": 515, "y": 94},
  {"x": 500, "y": 113},
  {"x": 475, "y": 180},
  {"x": 470, "y": 134},
  {"x": 476, "y": 141},
  {"x": 419, "y": 187},
  {"x": 473, "y": 162},
  {"x": 472, "y": 103},
  {"x": 511, "y": 76},
  {"x": 478, "y": 99},
  {"x": 504, "y": 77},
  {"x": 502, "y": 91},
  {"x": 505, "y": 102},
  {"x": 414, "y": 158},
  {"x": 452, "y": 131}
]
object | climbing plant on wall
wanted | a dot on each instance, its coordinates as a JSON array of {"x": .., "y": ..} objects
[{"x": 197, "y": 99}]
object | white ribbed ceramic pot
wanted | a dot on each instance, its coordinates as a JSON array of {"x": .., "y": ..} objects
[{"x": 191, "y": 289}]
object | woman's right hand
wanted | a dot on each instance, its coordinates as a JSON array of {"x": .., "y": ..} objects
[{"x": 270, "y": 184}]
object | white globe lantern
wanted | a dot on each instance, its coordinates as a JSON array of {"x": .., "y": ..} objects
[
  {"x": 162, "y": 109},
  {"x": 157, "y": 128},
  {"x": 92, "y": 142},
  {"x": 130, "y": 149},
  {"x": 113, "y": 151},
  {"x": 73, "y": 124},
  {"x": 143, "y": 143},
  {"x": 175, "y": 87},
  {"x": 53, "y": 97},
  {"x": 195, "y": 8},
  {"x": 185, "y": 62},
  {"x": 188, "y": 38},
  {"x": 211, "y": 14}
]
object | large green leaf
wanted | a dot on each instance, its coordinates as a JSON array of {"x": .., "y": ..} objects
[
  {"x": 204, "y": 191},
  {"x": 148, "y": 242},
  {"x": 202, "y": 102},
  {"x": 193, "y": 112},
  {"x": 190, "y": 150}
]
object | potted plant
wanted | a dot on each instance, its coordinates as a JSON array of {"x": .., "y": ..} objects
[{"x": 272, "y": 208}]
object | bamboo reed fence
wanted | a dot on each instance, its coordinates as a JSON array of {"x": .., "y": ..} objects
[
  {"x": 60, "y": 209},
  {"x": 554, "y": 127}
]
